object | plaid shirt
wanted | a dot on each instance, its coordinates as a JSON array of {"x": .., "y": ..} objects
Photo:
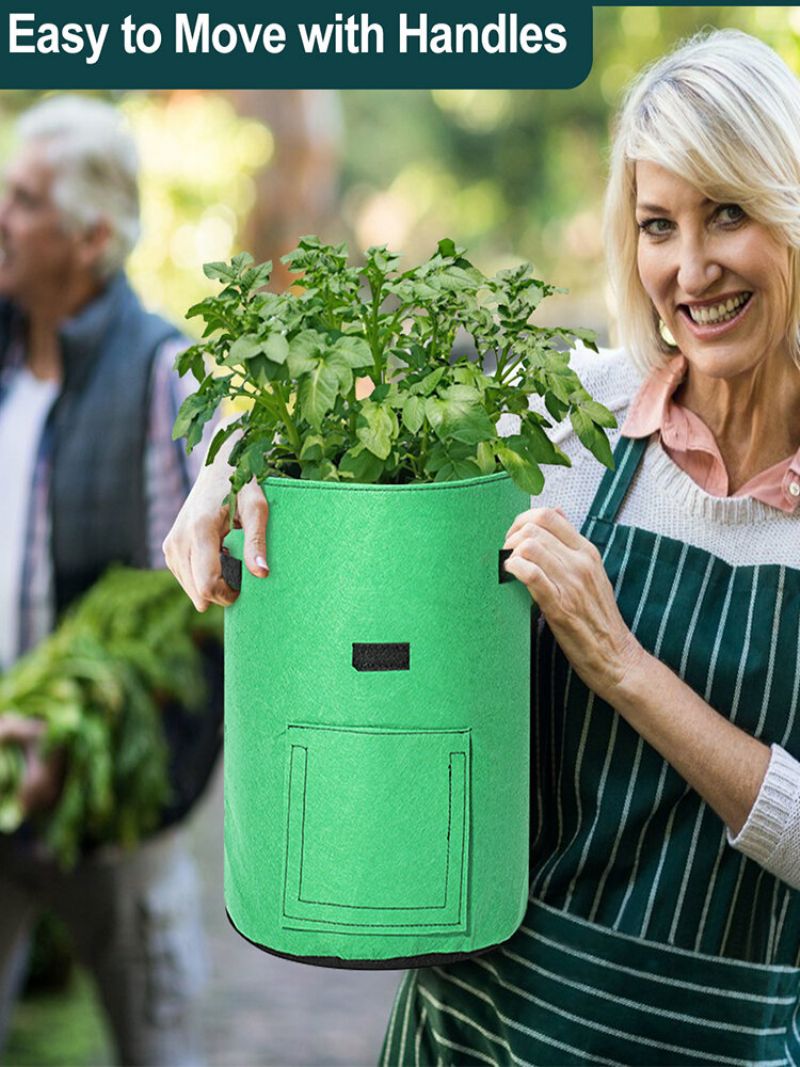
[{"x": 169, "y": 474}]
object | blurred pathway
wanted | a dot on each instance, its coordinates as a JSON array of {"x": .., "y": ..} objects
[{"x": 266, "y": 1012}]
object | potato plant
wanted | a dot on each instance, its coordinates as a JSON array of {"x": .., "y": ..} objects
[{"x": 424, "y": 336}]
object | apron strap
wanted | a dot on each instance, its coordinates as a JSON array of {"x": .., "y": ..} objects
[{"x": 614, "y": 485}]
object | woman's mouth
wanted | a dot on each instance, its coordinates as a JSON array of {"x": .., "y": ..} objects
[{"x": 710, "y": 320}]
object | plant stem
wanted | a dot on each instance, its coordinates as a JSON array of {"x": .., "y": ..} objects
[
  {"x": 374, "y": 330},
  {"x": 423, "y": 452},
  {"x": 291, "y": 429}
]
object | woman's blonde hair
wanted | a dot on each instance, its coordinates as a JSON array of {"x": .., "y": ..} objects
[{"x": 722, "y": 112}]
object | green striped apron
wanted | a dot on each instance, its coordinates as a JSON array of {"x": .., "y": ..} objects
[{"x": 648, "y": 939}]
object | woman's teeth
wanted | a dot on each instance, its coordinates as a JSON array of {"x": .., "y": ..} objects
[{"x": 722, "y": 312}]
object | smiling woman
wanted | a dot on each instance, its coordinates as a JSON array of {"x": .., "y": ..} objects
[
  {"x": 664, "y": 915},
  {"x": 663, "y": 921}
]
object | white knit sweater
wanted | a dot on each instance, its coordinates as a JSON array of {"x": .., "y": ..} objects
[{"x": 740, "y": 530}]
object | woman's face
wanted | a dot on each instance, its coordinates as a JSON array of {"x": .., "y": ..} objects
[{"x": 718, "y": 279}]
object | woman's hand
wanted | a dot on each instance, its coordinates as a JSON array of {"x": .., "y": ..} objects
[
  {"x": 193, "y": 545},
  {"x": 44, "y": 775},
  {"x": 564, "y": 574}
]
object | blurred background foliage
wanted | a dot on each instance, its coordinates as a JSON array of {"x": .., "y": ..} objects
[{"x": 511, "y": 175}]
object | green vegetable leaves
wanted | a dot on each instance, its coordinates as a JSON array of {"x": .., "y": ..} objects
[
  {"x": 98, "y": 684},
  {"x": 421, "y": 335}
]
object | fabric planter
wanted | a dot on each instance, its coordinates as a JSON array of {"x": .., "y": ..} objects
[{"x": 377, "y": 701}]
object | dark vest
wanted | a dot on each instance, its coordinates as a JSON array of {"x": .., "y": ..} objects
[{"x": 96, "y": 434}]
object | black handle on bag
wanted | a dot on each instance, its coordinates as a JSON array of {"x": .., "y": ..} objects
[
  {"x": 504, "y": 575},
  {"x": 231, "y": 570}
]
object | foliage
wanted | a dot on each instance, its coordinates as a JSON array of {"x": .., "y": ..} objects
[
  {"x": 98, "y": 684},
  {"x": 432, "y": 415}
]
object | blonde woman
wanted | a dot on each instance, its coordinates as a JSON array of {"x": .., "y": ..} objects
[{"x": 664, "y": 918}]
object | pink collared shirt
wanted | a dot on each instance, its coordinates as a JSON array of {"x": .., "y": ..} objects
[{"x": 690, "y": 444}]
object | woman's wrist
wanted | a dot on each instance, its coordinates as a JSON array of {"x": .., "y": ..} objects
[{"x": 630, "y": 679}]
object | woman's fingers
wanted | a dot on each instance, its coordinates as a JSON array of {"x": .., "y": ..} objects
[
  {"x": 552, "y": 519},
  {"x": 541, "y": 588},
  {"x": 206, "y": 570},
  {"x": 177, "y": 549},
  {"x": 253, "y": 515},
  {"x": 559, "y": 566}
]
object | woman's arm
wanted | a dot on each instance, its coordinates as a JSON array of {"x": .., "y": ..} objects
[
  {"x": 726, "y": 766},
  {"x": 723, "y": 763}
]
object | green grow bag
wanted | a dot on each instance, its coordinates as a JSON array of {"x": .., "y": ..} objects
[{"x": 377, "y": 697}]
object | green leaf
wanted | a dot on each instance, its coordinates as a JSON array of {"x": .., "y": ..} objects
[
  {"x": 456, "y": 470},
  {"x": 263, "y": 371},
  {"x": 276, "y": 348},
  {"x": 599, "y": 414},
  {"x": 485, "y": 457},
  {"x": 219, "y": 272},
  {"x": 322, "y": 471},
  {"x": 361, "y": 465},
  {"x": 455, "y": 413},
  {"x": 539, "y": 446},
  {"x": 462, "y": 395},
  {"x": 444, "y": 452},
  {"x": 305, "y": 351},
  {"x": 354, "y": 350},
  {"x": 192, "y": 416},
  {"x": 191, "y": 359},
  {"x": 429, "y": 382},
  {"x": 557, "y": 408},
  {"x": 313, "y": 448},
  {"x": 435, "y": 412},
  {"x": 592, "y": 437},
  {"x": 413, "y": 413},
  {"x": 220, "y": 438},
  {"x": 256, "y": 277},
  {"x": 589, "y": 337},
  {"x": 317, "y": 392},
  {"x": 242, "y": 349},
  {"x": 344, "y": 374},
  {"x": 525, "y": 472},
  {"x": 238, "y": 263},
  {"x": 472, "y": 426},
  {"x": 377, "y": 428}
]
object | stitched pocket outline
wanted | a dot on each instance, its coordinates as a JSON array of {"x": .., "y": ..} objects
[{"x": 377, "y": 830}]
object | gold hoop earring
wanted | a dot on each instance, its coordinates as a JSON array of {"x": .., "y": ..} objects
[{"x": 665, "y": 335}]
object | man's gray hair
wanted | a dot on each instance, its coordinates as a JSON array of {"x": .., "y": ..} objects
[{"x": 95, "y": 165}]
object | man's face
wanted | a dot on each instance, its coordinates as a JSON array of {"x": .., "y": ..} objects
[{"x": 38, "y": 256}]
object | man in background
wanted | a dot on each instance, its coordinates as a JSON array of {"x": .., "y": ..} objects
[{"x": 89, "y": 476}]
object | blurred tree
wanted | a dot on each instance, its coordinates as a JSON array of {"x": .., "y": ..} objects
[{"x": 296, "y": 192}]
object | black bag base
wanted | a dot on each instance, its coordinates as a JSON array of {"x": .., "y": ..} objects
[{"x": 396, "y": 963}]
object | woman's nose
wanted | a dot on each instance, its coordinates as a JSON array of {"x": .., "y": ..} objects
[{"x": 698, "y": 268}]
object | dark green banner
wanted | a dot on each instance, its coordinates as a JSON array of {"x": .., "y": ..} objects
[{"x": 245, "y": 44}]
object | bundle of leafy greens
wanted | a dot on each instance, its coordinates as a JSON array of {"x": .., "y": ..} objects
[
  {"x": 99, "y": 683},
  {"x": 433, "y": 413}
]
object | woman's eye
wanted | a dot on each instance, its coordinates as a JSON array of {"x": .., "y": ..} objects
[
  {"x": 731, "y": 214},
  {"x": 655, "y": 227}
]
